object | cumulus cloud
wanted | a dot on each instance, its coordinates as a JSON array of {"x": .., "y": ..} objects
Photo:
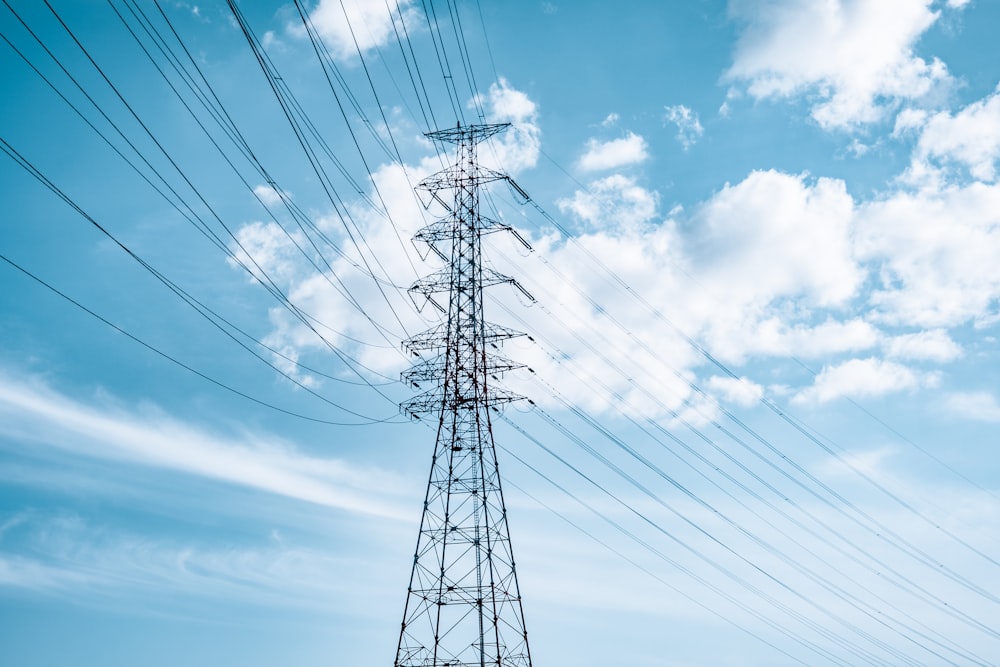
[
  {"x": 775, "y": 265},
  {"x": 267, "y": 248},
  {"x": 518, "y": 148},
  {"x": 728, "y": 272},
  {"x": 613, "y": 202},
  {"x": 369, "y": 317},
  {"x": 341, "y": 23},
  {"x": 934, "y": 252},
  {"x": 772, "y": 266},
  {"x": 933, "y": 345},
  {"x": 855, "y": 58},
  {"x": 777, "y": 336},
  {"x": 909, "y": 120},
  {"x": 689, "y": 128},
  {"x": 859, "y": 378},
  {"x": 770, "y": 238},
  {"x": 969, "y": 138},
  {"x": 603, "y": 155}
]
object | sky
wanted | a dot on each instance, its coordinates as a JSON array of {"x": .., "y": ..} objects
[{"x": 762, "y": 374}]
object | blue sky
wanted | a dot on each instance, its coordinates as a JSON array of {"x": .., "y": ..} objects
[{"x": 764, "y": 367}]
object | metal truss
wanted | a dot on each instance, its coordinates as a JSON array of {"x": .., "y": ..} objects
[{"x": 463, "y": 604}]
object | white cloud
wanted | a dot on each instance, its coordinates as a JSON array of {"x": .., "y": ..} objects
[
  {"x": 863, "y": 377},
  {"x": 934, "y": 253},
  {"x": 614, "y": 202},
  {"x": 603, "y": 155},
  {"x": 774, "y": 265},
  {"x": 342, "y": 22},
  {"x": 854, "y": 56},
  {"x": 970, "y": 138},
  {"x": 610, "y": 120},
  {"x": 977, "y": 405},
  {"x": 742, "y": 391},
  {"x": 268, "y": 195},
  {"x": 387, "y": 250},
  {"x": 908, "y": 120},
  {"x": 770, "y": 238},
  {"x": 518, "y": 148},
  {"x": 30, "y": 411},
  {"x": 776, "y": 336},
  {"x": 266, "y": 248},
  {"x": 749, "y": 272},
  {"x": 932, "y": 345},
  {"x": 91, "y": 562},
  {"x": 689, "y": 128},
  {"x": 269, "y": 41}
]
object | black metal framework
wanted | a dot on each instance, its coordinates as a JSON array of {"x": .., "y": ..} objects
[{"x": 463, "y": 604}]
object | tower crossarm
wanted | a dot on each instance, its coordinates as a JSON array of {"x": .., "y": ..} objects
[
  {"x": 435, "y": 338},
  {"x": 448, "y": 177},
  {"x": 443, "y": 281},
  {"x": 434, "y": 369},
  {"x": 441, "y": 232},
  {"x": 430, "y": 402}
]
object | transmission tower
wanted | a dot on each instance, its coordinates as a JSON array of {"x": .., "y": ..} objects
[{"x": 463, "y": 604}]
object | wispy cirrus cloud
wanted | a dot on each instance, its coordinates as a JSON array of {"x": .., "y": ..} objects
[
  {"x": 94, "y": 561},
  {"x": 32, "y": 411}
]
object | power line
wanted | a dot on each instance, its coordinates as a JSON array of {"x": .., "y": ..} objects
[
  {"x": 205, "y": 312},
  {"x": 222, "y": 385}
]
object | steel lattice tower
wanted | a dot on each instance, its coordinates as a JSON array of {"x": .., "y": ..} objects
[{"x": 463, "y": 605}]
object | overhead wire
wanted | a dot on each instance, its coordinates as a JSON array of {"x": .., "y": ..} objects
[
  {"x": 948, "y": 647},
  {"x": 269, "y": 284},
  {"x": 174, "y": 360},
  {"x": 436, "y": 44},
  {"x": 329, "y": 275},
  {"x": 442, "y": 57},
  {"x": 877, "y": 567},
  {"x": 660, "y": 554},
  {"x": 190, "y": 215},
  {"x": 395, "y": 154},
  {"x": 798, "y": 360},
  {"x": 777, "y": 410},
  {"x": 780, "y": 411},
  {"x": 25, "y": 164},
  {"x": 334, "y": 199},
  {"x": 564, "y": 233},
  {"x": 725, "y": 571},
  {"x": 558, "y": 356}
]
